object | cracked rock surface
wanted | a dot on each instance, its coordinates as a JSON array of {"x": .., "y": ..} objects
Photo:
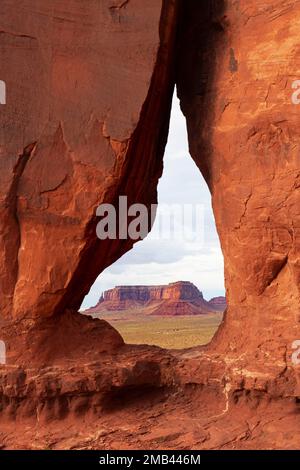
[{"x": 89, "y": 90}]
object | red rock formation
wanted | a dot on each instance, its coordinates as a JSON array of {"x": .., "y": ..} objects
[
  {"x": 84, "y": 104},
  {"x": 235, "y": 73},
  {"x": 218, "y": 303},
  {"x": 181, "y": 290},
  {"x": 89, "y": 88},
  {"x": 177, "y": 298},
  {"x": 84, "y": 129},
  {"x": 180, "y": 307}
]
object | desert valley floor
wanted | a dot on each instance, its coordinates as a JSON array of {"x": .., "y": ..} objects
[{"x": 167, "y": 332}]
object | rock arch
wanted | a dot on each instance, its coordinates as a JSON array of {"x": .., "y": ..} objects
[{"x": 83, "y": 145}]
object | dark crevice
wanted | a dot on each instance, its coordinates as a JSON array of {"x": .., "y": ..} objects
[
  {"x": 120, "y": 6},
  {"x": 277, "y": 269},
  {"x": 203, "y": 41},
  {"x": 12, "y": 242},
  {"x": 203, "y": 33}
]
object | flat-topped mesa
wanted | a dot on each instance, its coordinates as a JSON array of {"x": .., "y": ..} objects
[
  {"x": 182, "y": 290},
  {"x": 176, "y": 298}
]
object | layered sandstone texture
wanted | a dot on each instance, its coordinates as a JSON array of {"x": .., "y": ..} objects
[
  {"x": 88, "y": 95},
  {"x": 89, "y": 87},
  {"x": 238, "y": 61},
  {"x": 176, "y": 298}
]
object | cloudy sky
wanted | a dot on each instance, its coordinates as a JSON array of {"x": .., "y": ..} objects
[{"x": 159, "y": 260}]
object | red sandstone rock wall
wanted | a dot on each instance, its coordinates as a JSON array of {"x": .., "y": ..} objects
[
  {"x": 237, "y": 64},
  {"x": 89, "y": 88},
  {"x": 88, "y": 100}
]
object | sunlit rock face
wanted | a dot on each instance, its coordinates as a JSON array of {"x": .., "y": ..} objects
[
  {"x": 135, "y": 293},
  {"x": 176, "y": 298},
  {"x": 88, "y": 96},
  {"x": 176, "y": 290},
  {"x": 88, "y": 92},
  {"x": 238, "y": 61}
]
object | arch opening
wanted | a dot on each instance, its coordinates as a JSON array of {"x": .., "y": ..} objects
[{"x": 169, "y": 289}]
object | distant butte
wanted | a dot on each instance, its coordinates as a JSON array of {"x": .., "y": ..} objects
[{"x": 176, "y": 298}]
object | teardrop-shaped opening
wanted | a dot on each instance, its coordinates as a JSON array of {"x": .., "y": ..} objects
[{"x": 169, "y": 289}]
